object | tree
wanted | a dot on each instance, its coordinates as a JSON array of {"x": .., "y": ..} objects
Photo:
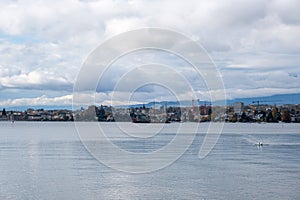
[
  {"x": 285, "y": 116},
  {"x": 3, "y": 112},
  {"x": 101, "y": 115},
  {"x": 243, "y": 117},
  {"x": 269, "y": 117},
  {"x": 274, "y": 113}
]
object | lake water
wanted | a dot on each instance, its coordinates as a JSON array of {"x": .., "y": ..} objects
[{"x": 48, "y": 161}]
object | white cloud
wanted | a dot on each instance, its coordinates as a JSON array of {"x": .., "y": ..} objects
[
  {"x": 37, "y": 101},
  {"x": 36, "y": 80},
  {"x": 255, "y": 44}
]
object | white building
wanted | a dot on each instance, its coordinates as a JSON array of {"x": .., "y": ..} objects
[{"x": 238, "y": 108}]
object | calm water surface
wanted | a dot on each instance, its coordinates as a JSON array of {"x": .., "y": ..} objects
[{"x": 48, "y": 161}]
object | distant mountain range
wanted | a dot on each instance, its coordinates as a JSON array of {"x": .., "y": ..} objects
[{"x": 279, "y": 99}]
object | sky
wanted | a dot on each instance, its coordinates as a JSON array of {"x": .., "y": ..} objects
[{"x": 255, "y": 45}]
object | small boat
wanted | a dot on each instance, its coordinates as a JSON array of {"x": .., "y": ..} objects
[{"x": 259, "y": 144}]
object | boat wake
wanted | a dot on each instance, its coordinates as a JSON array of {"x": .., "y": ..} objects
[
  {"x": 266, "y": 142},
  {"x": 254, "y": 141}
]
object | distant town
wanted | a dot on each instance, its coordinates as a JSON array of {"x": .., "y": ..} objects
[{"x": 238, "y": 112}]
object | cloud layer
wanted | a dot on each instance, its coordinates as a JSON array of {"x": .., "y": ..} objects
[{"x": 254, "y": 44}]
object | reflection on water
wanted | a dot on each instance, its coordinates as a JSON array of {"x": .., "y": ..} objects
[{"x": 47, "y": 161}]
